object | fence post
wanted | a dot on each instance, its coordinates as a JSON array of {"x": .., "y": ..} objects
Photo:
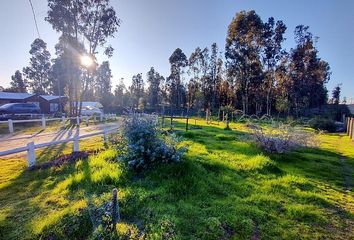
[
  {"x": 63, "y": 121},
  {"x": 171, "y": 122},
  {"x": 104, "y": 136},
  {"x": 115, "y": 207},
  {"x": 187, "y": 124},
  {"x": 43, "y": 123},
  {"x": 76, "y": 144},
  {"x": 31, "y": 155},
  {"x": 351, "y": 128},
  {"x": 78, "y": 120},
  {"x": 87, "y": 120},
  {"x": 348, "y": 123},
  {"x": 11, "y": 125}
]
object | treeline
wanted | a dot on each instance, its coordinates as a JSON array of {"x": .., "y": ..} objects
[
  {"x": 254, "y": 73},
  {"x": 84, "y": 27}
]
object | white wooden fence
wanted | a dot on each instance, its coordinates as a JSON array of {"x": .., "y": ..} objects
[
  {"x": 31, "y": 147},
  {"x": 44, "y": 120}
]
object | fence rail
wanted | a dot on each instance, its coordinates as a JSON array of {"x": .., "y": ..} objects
[
  {"x": 31, "y": 147},
  {"x": 63, "y": 120}
]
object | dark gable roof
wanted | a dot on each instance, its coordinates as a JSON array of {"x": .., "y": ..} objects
[
  {"x": 50, "y": 97},
  {"x": 15, "y": 96}
]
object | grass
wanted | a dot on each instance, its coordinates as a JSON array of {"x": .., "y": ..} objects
[{"x": 225, "y": 188}]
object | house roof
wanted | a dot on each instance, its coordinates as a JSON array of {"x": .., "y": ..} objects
[
  {"x": 91, "y": 104},
  {"x": 50, "y": 97},
  {"x": 12, "y": 95}
]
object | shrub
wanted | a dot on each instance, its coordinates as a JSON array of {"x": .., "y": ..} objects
[
  {"x": 145, "y": 145},
  {"x": 322, "y": 124},
  {"x": 282, "y": 138}
]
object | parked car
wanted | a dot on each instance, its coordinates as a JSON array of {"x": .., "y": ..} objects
[
  {"x": 90, "y": 111},
  {"x": 19, "y": 108}
]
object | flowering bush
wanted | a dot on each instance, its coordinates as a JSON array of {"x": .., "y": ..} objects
[
  {"x": 145, "y": 146},
  {"x": 283, "y": 138}
]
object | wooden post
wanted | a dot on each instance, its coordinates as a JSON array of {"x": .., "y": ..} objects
[
  {"x": 115, "y": 207},
  {"x": 348, "y": 123},
  {"x": 104, "y": 136},
  {"x": 187, "y": 124},
  {"x": 351, "y": 128},
  {"x": 11, "y": 125},
  {"x": 43, "y": 123},
  {"x": 76, "y": 144},
  {"x": 78, "y": 120},
  {"x": 87, "y": 120},
  {"x": 171, "y": 122},
  {"x": 31, "y": 155},
  {"x": 63, "y": 121}
]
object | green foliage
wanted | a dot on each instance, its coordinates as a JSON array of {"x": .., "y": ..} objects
[
  {"x": 146, "y": 147},
  {"x": 321, "y": 123}
]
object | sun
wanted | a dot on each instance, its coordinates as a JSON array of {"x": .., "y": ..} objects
[{"x": 86, "y": 61}]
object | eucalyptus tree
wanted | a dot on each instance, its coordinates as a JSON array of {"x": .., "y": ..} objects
[
  {"x": 336, "y": 94},
  {"x": 308, "y": 72},
  {"x": 38, "y": 72},
  {"x": 273, "y": 36},
  {"x": 194, "y": 93},
  {"x": 120, "y": 93},
  {"x": 137, "y": 89},
  {"x": 18, "y": 83},
  {"x": 103, "y": 84},
  {"x": 176, "y": 90},
  {"x": 154, "y": 92},
  {"x": 242, "y": 52},
  {"x": 88, "y": 22}
]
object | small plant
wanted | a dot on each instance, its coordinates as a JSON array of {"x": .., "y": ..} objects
[
  {"x": 319, "y": 123},
  {"x": 282, "y": 138},
  {"x": 145, "y": 145}
]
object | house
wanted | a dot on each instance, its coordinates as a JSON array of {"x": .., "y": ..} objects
[
  {"x": 47, "y": 103},
  {"x": 11, "y": 97},
  {"x": 52, "y": 104}
]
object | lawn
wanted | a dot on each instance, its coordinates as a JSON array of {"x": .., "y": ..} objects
[{"x": 225, "y": 188}]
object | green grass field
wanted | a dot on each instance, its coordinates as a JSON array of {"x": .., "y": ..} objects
[{"x": 225, "y": 188}]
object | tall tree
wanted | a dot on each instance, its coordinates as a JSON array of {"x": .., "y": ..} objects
[
  {"x": 18, "y": 84},
  {"x": 242, "y": 52},
  {"x": 68, "y": 71},
  {"x": 38, "y": 72},
  {"x": 178, "y": 61},
  {"x": 103, "y": 84},
  {"x": 336, "y": 94},
  {"x": 308, "y": 72},
  {"x": 272, "y": 51},
  {"x": 89, "y": 21},
  {"x": 154, "y": 89},
  {"x": 119, "y": 94},
  {"x": 137, "y": 89}
]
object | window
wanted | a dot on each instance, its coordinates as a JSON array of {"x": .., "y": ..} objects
[{"x": 53, "y": 107}]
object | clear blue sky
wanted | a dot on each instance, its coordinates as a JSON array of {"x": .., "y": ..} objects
[{"x": 152, "y": 29}]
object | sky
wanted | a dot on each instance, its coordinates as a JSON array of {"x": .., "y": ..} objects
[{"x": 152, "y": 29}]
